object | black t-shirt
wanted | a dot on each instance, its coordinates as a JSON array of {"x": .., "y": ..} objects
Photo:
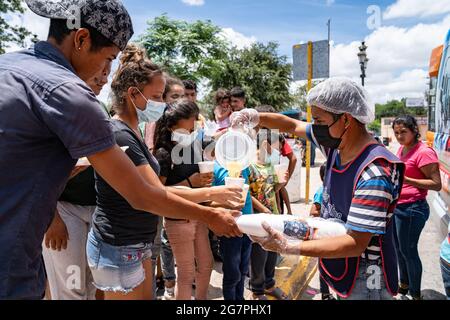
[
  {"x": 175, "y": 173},
  {"x": 115, "y": 221},
  {"x": 80, "y": 190},
  {"x": 178, "y": 170}
]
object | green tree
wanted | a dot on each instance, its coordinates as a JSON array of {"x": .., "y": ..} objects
[
  {"x": 299, "y": 96},
  {"x": 11, "y": 33},
  {"x": 187, "y": 50},
  {"x": 396, "y": 108},
  {"x": 375, "y": 126},
  {"x": 260, "y": 71}
]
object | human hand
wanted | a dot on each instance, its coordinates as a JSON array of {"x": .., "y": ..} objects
[
  {"x": 227, "y": 195},
  {"x": 57, "y": 235},
  {"x": 246, "y": 118},
  {"x": 275, "y": 241},
  {"x": 201, "y": 180},
  {"x": 222, "y": 222}
]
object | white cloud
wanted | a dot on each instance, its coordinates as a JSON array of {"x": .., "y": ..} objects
[
  {"x": 399, "y": 59},
  {"x": 238, "y": 39},
  {"x": 416, "y": 8},
  {"x": 34, "y": 23},
  {"x": 194, "y": 2},
  {"x": 330, "y": 2}
]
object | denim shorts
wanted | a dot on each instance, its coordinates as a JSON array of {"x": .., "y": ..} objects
[{"x": 116, "y": 268}]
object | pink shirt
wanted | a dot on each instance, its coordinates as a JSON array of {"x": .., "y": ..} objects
[{"x": 421, "y": 155}]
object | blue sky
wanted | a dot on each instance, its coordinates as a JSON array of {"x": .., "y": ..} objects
[
  {"x": 285, "y": 21},
  {"x": 399, "y": 45}
]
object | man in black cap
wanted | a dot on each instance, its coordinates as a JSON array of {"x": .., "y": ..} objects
[{"x": 49, "y": 118}]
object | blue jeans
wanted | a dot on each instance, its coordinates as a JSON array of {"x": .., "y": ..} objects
[
  {"x": 410, "y": 220},
  {"x": 370, "y": 283},
  {"x": 262, "y": 275},
  {"x": 236, "y": 258},
  {"x": 445, "y": 269},
  {"x": 167, "y": 259}
]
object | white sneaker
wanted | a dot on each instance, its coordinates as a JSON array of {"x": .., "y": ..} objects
[{"x": 169, "y": 293}]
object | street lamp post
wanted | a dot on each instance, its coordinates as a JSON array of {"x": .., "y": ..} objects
[{"x": 363, "y": 60}]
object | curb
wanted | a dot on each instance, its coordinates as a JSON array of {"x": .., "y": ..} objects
[{"x": 294, "y": 274}]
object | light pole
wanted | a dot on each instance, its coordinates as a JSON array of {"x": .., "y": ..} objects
[{"x": 363, "y": 60}]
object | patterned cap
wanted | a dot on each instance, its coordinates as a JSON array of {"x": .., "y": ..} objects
[{"x": 108, "y": 17}]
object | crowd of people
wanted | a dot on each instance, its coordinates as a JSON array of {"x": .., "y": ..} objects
[{"x": 137, "y": 214}]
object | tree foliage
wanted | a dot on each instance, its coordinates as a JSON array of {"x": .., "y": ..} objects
[
  {"x": 396, "y": 108},
  {"x": 187, "y": 50},
  {"x": 199, "y": 52},
  {"x": 10, "y": 33},
  {"x": 261, "y": 72}
]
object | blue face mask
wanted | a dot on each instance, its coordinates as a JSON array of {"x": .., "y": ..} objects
[{"x": 153, "y": 110}]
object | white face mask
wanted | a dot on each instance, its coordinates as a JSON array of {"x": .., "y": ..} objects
[
  {"x": 153, "y": 110},
  {"x": 184, "y": 139},
  {"x": 273, "y": 158}
]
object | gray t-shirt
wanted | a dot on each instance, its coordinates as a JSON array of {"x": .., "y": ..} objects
[{"x": 48, "y": 119}]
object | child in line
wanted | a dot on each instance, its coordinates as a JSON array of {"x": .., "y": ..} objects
[
  {"x": 222, "y": 111},
  {"x": 235, "y": 252},
  {"x": 263, "y": 187},
  {"x": 285, "y": 151}
]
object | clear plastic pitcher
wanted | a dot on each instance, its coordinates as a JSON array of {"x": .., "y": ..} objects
[{"x": 235, "y": 151}]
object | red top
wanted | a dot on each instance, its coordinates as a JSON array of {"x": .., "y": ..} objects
[{"x": 286, "y": 149}]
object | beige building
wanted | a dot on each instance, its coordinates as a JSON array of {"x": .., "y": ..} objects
[{"x": 387, "y": 132}]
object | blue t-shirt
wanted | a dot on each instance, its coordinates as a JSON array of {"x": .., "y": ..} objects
[
  {"x": 219, "y": 180},
  {"x": 318, "y": 196},
  {"x": 49, "y": 118}
]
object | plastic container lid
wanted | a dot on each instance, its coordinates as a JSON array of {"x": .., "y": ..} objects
[{"x": 235, "y": 146}]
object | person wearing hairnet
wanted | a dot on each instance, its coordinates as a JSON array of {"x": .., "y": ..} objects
[{"x": 362, "y": 184}]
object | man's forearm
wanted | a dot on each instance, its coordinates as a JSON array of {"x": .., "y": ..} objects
[
  {"x": 120, "y": 173},
  {"x": 283, "y": 123},
  {"x": 332, "y": 248}
]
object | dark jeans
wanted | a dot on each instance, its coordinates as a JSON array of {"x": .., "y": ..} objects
[
  {"x": 262, "y": 271},
  {"x": 213, "y": 242},
  {"x": 236, "y": 257},
  {"x": 324, "y": 289},
  {"x": 410, "y": 220},
  {"x": 445, "y": 269}
]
